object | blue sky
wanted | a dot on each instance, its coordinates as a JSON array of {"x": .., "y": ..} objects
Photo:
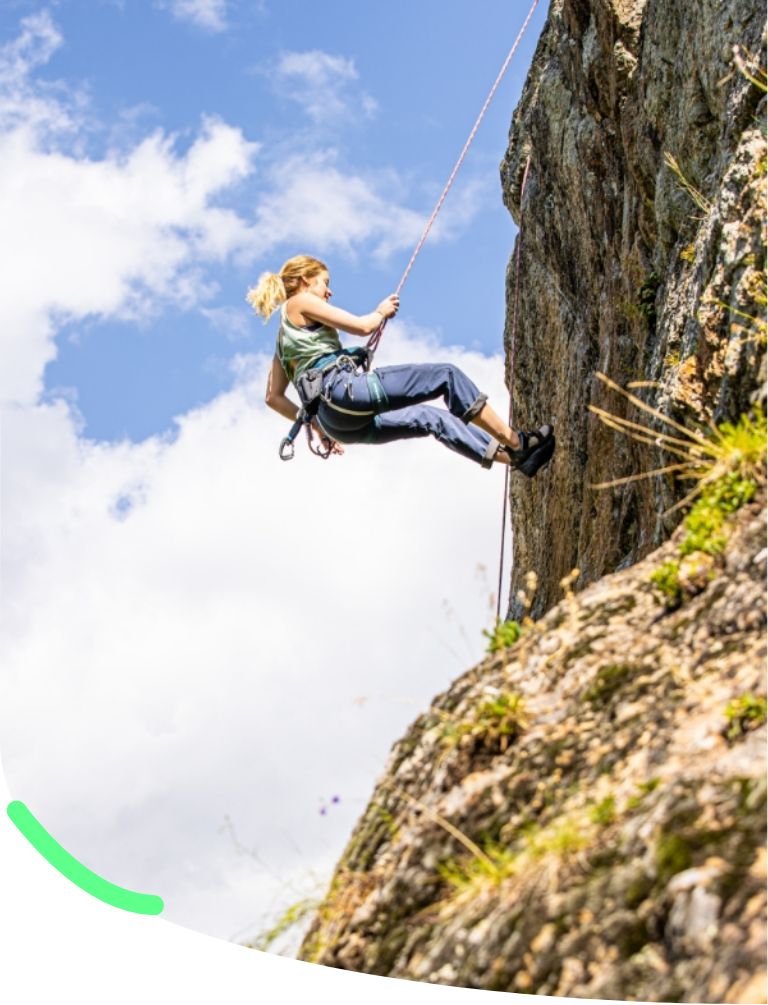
[
  {"x": 403, "y": 86},
  {"x": 165, "y": 665}
]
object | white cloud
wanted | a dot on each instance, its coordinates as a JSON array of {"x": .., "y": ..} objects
[
  {"x": 324, "y": 86},
  {"x": 106, "y": 237},
  {"x": 315, "y": 204},
  {"x": 193, "y": 622},
  {"x": 312, "y": 203},
  {"x": 208, "y": 14},
  {"x": 21, "y": 101},
  {"x": 98, "y": 236},
  {"x": 168, "y": 659},
  {"x": 121, "y": 234},
  {"x": 232, "y": 322}
]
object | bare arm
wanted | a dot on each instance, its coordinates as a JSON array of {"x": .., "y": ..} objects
[
  {"x": 277, "y": 385},
  {"x": 316, "y": 309}
]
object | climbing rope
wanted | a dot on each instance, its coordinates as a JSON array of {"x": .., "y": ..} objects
[
  {"x": 374, "y": 340},
  {"x": 513, "y": 341}
]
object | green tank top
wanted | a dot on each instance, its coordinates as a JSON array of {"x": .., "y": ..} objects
[{"x": 298, "y": 348}]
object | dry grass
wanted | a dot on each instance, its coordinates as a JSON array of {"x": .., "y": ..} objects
[{"x": 727, "y": 449}]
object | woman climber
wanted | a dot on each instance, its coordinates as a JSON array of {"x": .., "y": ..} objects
[{"x": 387, "y": 403}]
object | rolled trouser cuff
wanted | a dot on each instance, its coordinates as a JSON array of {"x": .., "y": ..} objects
[
  {"x": 490, "y": 453},
  {"x": 475, "y": 408}
]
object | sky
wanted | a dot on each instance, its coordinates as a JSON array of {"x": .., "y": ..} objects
[{"x": 207, "y": 653}]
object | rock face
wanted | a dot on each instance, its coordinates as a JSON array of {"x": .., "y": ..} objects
[
  {"x": 623, "y": 269},
  {"x": 585, "y": 814}
]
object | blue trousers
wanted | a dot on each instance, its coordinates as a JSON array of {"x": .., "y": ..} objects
[{"x": 389, "y": 403}]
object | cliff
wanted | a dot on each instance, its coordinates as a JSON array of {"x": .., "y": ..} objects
[
  {"x": 583, "y": 813},
  {"x": 622, "y": 270}
]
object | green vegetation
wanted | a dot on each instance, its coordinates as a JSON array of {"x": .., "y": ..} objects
[
  {"x": 290, "y": 918},
  {"x": 646, "y": 299},
  {"x": 493, "y": 722},
  {"x": 727, "y": 482},
  {"x": 667, "y": 580},
  {"x": 504, "y": 635},
  {"x": 739, "y": 448},
  {"x": 730, "y": 449},
  {"x": 608, "y": 680},
  {"x": 744, "y": 713},
  {"x": 706, "y": 523},
  {"x": 604, "y": 813},
  {"x": 498, "y": 862},
  {"x": 643, "y": 789},
  {"x": 671, "y": 856},
  {"x": 563, "y": 838},
  {"x": 701, "y": 200},
  {"x": 503, "y": 715}
]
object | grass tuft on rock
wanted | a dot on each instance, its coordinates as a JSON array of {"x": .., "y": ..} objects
[{"x": 744, "y": 713}]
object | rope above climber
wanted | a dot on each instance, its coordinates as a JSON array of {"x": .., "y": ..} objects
[{"x": 345, "y": 402}]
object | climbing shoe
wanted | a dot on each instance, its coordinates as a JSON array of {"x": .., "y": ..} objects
[{"x": 535, "y": 450}]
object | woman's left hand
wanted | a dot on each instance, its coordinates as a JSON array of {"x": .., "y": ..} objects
[{"x": 336, "y": 448}]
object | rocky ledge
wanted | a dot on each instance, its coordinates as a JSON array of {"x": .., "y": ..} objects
[{"x": 583, "y": 813}]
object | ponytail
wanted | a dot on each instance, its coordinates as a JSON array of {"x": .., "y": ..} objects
[
  {"x": 274, "y": 288},
  {"x": 267, "y": 295}
]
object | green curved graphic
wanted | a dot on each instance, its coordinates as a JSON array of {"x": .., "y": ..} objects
[{"x": 50, "y": 849}]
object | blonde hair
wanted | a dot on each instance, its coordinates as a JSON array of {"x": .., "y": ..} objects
[{"x": 274, "y": 288}]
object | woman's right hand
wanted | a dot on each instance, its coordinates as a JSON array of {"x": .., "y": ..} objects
[{"x": 389, "y": 307}]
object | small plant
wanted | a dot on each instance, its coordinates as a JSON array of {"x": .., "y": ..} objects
[
  {"x": 706, "y": 523},
  {"x": 688, "y": 254},
  {"x": 671, "y": 855},
  {"x": 499, "y": 863},
  {"x": 643, "y": 789},
  {"x": 666, "y": 580},
  {"x": 498, "y": 719},
  {"x": 646, "y": 299},
  {"x": 701, "y": 200},
  {"x": 744, "y": 713},
  {"x": 727, "y": 449},
  {"x": 608, "y": 681},
  {"x": 756, "y": 76},
  {"x": 292, "y": 916},
  {"x": 604, "y": 813},
  {"x": 493, "y": 723},
  {"x": 504, "y": 635},
  {"x": 563, "y": 838}
]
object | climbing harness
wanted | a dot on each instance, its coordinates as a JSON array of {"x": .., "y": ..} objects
[
  {"x": 311, "y": 394},
  {"x": 304, "y": 417}
]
